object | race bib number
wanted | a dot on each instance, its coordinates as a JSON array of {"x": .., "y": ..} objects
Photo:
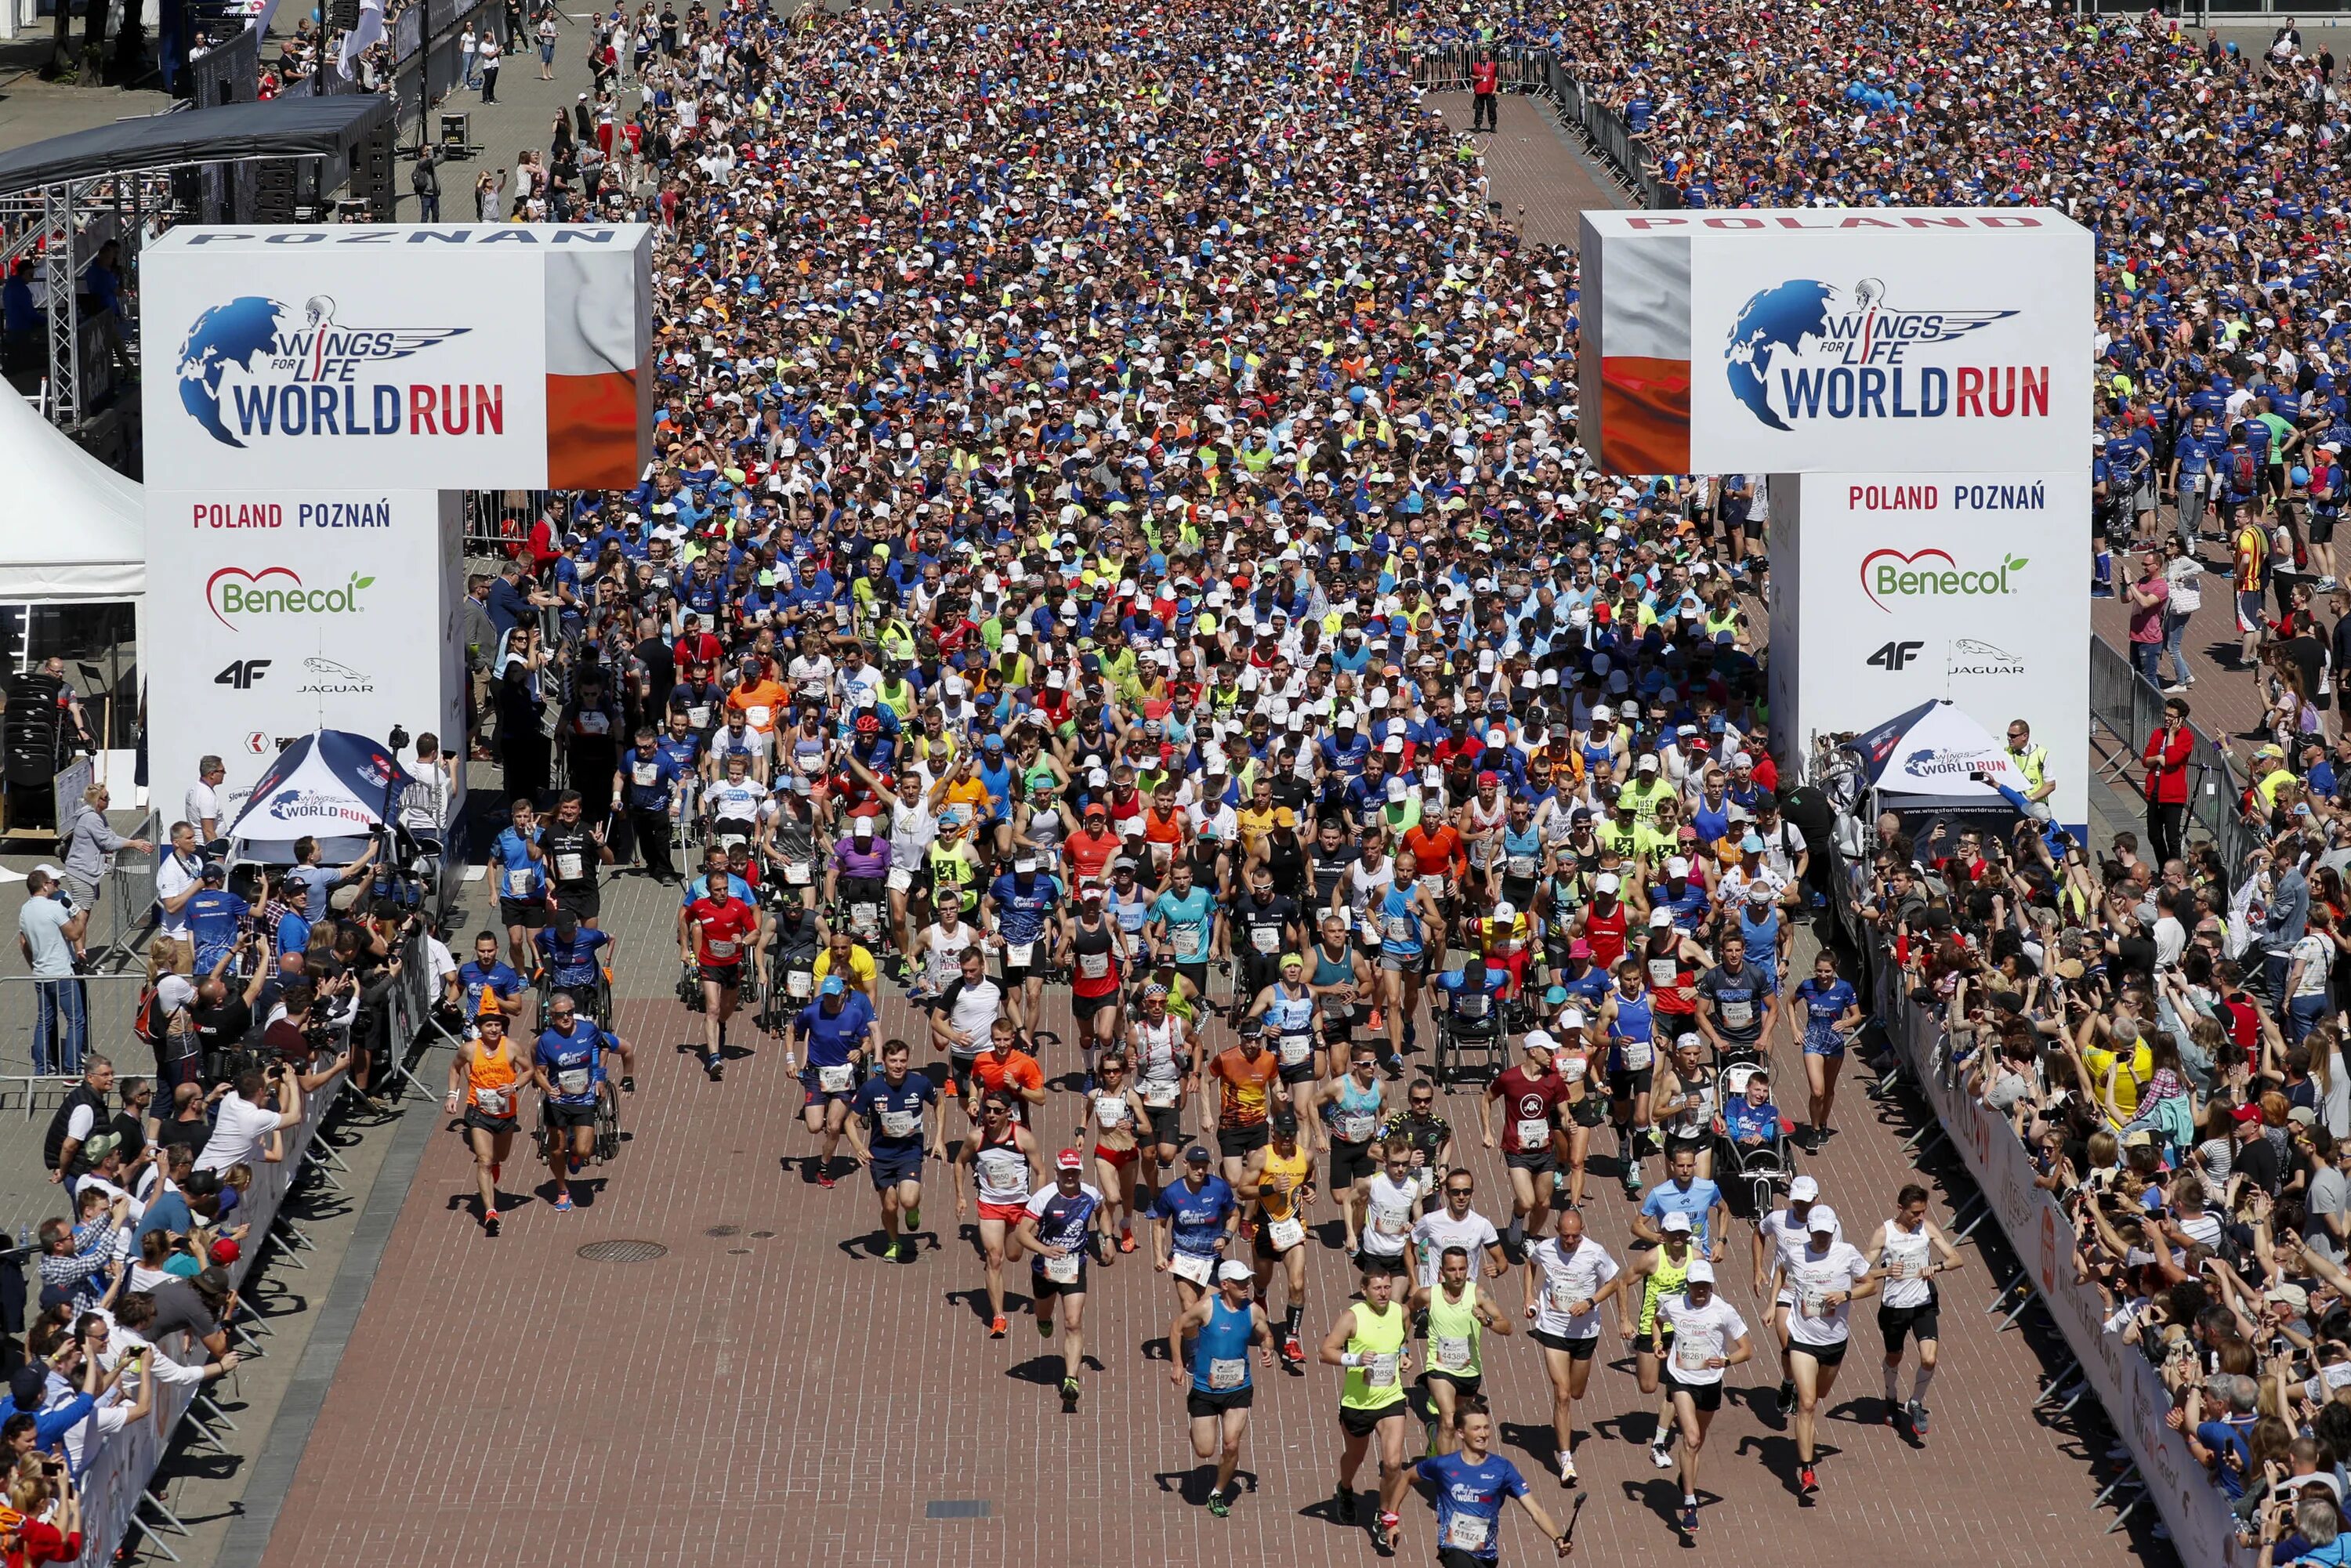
[
  {"x": 1638, "y": 1053},
  {"x": 1737, "y": 1015},
  {"x": 901, "y": 879},
  {"x": 1161, "y": 1093},
  {"x": 1693, "y": 1357},
  {"x": 1064, "y": 1271},
  {"x": 1111, "y": 1110},
  {"x": 1094, "y": 966},
  {"x": 1226, "y": 1373},
  {"x": 837, "y": 1079},
  {"x": 1813, "y": 1303},
  {"x": 1907, "y": 1269},
  {"x": 796, "y": 875},
  {"x": 1194, "y": 1266},
  {"x": 1521, "y": 867},
  {"x": 698, "y": 715},
  {"x": 1296, "y": 1049},
  {"x": 518, "y": 882},
  {"x": 1571, "y": 1068},
  {"x": 756, "y": 716},
  {"x": 568, "y": 866},
  {"x": 1433, "y": 885},
  {"x": 572, "y": 1081},
  {"x": 1466, "y": 1532},
  {"x": 1396, "y": 928},
  {"x": 1662, "y": 971},
  {"x": 646, "y": 774},
  {"x": 1380, "y": 1369},
  {"x": 800, "y": 984},
  {"x": 1473, "y": 1006},
  {"x": 1017, "y": 954},
  {"x": 720, "y": 952},
  {"x": 1355, "y": 1127},
  {"x": 493, "y": 1101},
  {"x": 1533, "y": 1132},
  {"x": 1452, "y": 1354},
  {"x": 1391, "y": 1221},
  {"x": 1564, "y": 1298},
  {"x": 593, "y": 722},
  {"x": 1285, "y": 1234},
  {"x": 1264, "y": 938},
  {"x": 900, "y": 1123}
]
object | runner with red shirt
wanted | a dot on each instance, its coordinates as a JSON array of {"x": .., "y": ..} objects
[
  {"x": 1530, "y": 1095},
  {"x": 715, "y": 933}
]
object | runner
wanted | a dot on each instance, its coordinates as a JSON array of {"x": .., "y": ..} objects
[
  {"x": 1287, "y": 1013},
  {"x": 1194, "y": 1216},
  {"x": 1705, "y": 1335},
  {"x": 1826, "y": 1278},
  {"x": 1684, "y": 1191},
  {"x": 832, "y": 1035},
  {"x": 1368, "y": 1338},
  {"x": 964, "y": 1017},
  {"x": 1391, "y": 1200},
  {"x": 1737, "y": 1002},
  {"x": 1282, "y": 1190},
  {"x": 1908, "y": 1297},
  {"x": 1018, "y": 911},
  {"x": 1574, "y": 1059},
  {"x": 1780, "y": 1236},
  {"x": 1097, "y": 976},
  {"x": 1248, "y": 1084},
  {"x": 1470, "y": 1482},
  {"x": 1209, "y": 1342},
  {"x": 1568, "y": 1275},
  {"x": 1832, "y": 1011},
  {"x": 1657, "y": 1273},
  {"x": 1686, "y": 1099},
  {"x": 1055, "y": 1230},
  {"x": 1458, "y": 1312},
  {"x": 1627, "y": 1021},
  {"x": 1159, "y": 1041},
  {"x": 1532, "y": 1093},
  {"x": 1350, "y": 1117},
  {"x": 1407, "y": 913},
  {"x": 712, "y": 933},
  {"x": 1343, "y": 984},
  {"x": 576, "y": 960},
  {"x": 886, "y": 1135},
  {"x": 518, "y": 871},
  {"x": 1003, "y": 1161},
  {"x": 487, "y": 1080},
  {"x": 1116, "y": 1118},
  {"x": 568, "y": 1065}
]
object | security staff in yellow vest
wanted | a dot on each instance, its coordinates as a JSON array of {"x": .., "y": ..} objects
[{"x": 2033, "y": 761}]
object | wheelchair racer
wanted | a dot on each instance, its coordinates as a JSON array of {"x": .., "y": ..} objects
[
  {"x": 571, "y": 964},
  {"x": 568, "y": 1065}
]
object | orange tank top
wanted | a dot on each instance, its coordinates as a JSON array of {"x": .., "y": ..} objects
[
  {"x": 1159, "y": 830},
  {"x": 490, "y": 1080}
]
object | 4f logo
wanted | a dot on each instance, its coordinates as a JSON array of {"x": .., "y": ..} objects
[
  {"x": 243, "y": 674},
  {"x": 1896, "y": 656}
]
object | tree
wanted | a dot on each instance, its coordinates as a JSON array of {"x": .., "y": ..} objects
[{"x": 93, "y": 43}]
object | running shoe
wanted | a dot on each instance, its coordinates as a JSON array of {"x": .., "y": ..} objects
[
  {"x": 1808, "y": 1484},
  {"x": 1567, "y": 1469},
  {"x": 1045, "y": 1331},
  {"x": 716, "y": 1069},
  {"x": 1126, "y": 1240},
  {"x": 1069, "y": 1392},
  {"x": 496, "y": 1167},
  {"x": 1294, "y": 1352},
  {"x": 1386, "y": 1531},
  {"x": 563, "y": 1203},
  {"x": 576, "y": 1163},
  {"x": 627, "y": 1083},
  {"x": 1787, "y": 1399},
  {"x": 1917, "y": 1421},
  {"x": 1342, "y": 1505},
  {"x": 915, "y": 1218},
  {"x": 1689, "y": 1516},
  {"x": 825, "y": 1179},
  {"x": 1219, "y": 1505},
  {"x": 1662, "y": 1455},
  {"x": 490, "y": 1223},
  {"x": 996, "y": 1328},
  {"x": 904, "y": 1251}
]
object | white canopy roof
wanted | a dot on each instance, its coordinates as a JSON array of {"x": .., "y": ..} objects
[{"x": 73, "y": 528}]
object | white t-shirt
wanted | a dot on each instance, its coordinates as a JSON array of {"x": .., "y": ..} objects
[
  {"x": 1387, "y": 1216},
  {"x": 975, "y": 1012},
  {"x": 1786, "y": 1237},
  {"x": 1569, "y": 1277},
  {"x": 238, "y": 1128},
  {"x": 943, "y": 958},
  {"x": 1813, "y": 1274},
  {"x": 173, "y": 878},
  {"x": 1438, "y": 1231},
  {"x": 1700, "y": 1333},
  {"x": 201, "y": 803}
]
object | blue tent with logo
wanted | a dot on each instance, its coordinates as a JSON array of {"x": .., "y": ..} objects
[
  {"x": 333, "y": 786},
  {"x": 1926, "y": 759}
]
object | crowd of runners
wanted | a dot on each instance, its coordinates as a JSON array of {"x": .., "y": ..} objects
[{"x": 1119, "y": 536}]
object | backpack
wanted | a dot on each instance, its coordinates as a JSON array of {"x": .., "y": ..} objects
[
  {"x": 149, "y": 1022},
  {"x": 2244, "y": 473}
]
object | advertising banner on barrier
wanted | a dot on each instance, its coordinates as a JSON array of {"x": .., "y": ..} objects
[
  {"x": 448, "y": 355},
  {"x": 2203, "y": 1530},
  {"x": 1917, "y": 586},
  {"x": 289, "y": 611},
  {"x": 1950, "y": 341}
]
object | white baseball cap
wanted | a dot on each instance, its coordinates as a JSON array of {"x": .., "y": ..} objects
[
  {"x": 1701, "y": 1273},
  {"x": 1821, "y": 1221},
  {"x": 1803, "y": 1189}
]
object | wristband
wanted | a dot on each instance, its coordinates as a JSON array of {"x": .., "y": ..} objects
[{"x": 1352, "y": 1358}]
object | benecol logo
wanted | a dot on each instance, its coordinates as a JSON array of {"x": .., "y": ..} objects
[
  {"x": 1804, "y": 349},
  {"x": 1933, "y": 574},
  {"x": 278, "y": 590},
  {"x": 301, "y": 374}
]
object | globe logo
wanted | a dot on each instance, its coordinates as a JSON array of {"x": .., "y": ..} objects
[
  {"x": 1777, "y": 320},
  {"x": 237, "y": 333}
]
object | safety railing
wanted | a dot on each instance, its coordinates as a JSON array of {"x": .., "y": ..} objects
[
  {"x": 50, "y": 1028},
  {"x": 496, "y": 522},
  {"x": 126, "y": 905},
  {"x": 2130, "y": 709},
  {"x": 1445, "y": 69}
]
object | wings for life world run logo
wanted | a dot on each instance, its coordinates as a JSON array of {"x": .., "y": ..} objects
[
  {"x": 1804, "y": 349},
  {"x": 304, "y": 373}
]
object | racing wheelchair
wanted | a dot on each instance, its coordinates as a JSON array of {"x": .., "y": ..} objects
[{"x": 1763, "y": 1169}]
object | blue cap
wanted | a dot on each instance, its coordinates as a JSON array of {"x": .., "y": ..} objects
[{"x": 831, "y": 987}]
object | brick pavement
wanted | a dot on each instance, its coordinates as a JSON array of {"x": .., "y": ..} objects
[
  {"x": 1531, "y": 166},
  {"x": 769, "y": 1391}
]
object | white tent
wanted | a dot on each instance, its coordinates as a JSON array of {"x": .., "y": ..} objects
[
  {"x": 73, "y": 529},
  {"x": 1923, "y": 760},
  {"x": 332, "y": 785}
]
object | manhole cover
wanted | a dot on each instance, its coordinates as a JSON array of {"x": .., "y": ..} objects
[
  {"x": 623, "y": 1252},
  {"x": 723, "y": 1230},
  {"x": 957, "y": 1508}
]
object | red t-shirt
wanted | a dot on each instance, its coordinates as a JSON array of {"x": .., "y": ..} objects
[
  {"x": 721, "y": 927},
  {"x": 1526, "y": 1100},
  {"x": 1483, "y": 76}
]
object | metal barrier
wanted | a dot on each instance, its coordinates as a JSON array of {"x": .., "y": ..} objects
[
  {"x": 1446, "y": 69},
  {"x": 2127, "y": 708},
  {"x": 127, "y": 905},
  {"x": 496, "y": 522},
  {"x": 108, "y": 1004}
]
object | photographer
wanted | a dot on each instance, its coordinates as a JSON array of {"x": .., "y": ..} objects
[{"x": 265, "y": 1103}]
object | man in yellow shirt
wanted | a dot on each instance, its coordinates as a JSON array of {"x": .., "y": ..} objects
[{"x": 855, "y": 965}]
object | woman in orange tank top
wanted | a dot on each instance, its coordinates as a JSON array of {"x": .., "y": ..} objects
[{"x": 489, "y": 1080}]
